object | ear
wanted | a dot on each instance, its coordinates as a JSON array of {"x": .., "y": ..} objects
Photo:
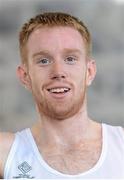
[
  {"x": 23, "y": 75},
  {"x": 91, "y": 71}
]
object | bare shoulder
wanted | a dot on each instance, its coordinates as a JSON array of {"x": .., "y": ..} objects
[{"x": 6, "y": 141}]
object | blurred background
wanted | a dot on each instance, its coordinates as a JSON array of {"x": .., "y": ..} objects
[{"x": 105, "y": 19}]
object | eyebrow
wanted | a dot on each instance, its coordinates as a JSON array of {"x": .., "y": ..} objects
[
  {"x": 66, "y": 50},
  {"x": 45, "y": 53}
]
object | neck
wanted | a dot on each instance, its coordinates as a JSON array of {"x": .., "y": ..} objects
[{"x": 68, "y": 132}]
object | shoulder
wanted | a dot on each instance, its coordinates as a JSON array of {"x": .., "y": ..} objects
[
  {"x": 115, "y": 133},
  {"x": 114, "y": 128},
  {"x": 6, "y": 141}
]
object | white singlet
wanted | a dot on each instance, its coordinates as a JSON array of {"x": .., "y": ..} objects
[{"x": 25, "y": 161}]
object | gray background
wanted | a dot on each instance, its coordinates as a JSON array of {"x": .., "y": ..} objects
[{"x": 105, "y": 20}]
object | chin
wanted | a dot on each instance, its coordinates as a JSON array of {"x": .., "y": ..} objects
[{"x": 63, "y": 113}]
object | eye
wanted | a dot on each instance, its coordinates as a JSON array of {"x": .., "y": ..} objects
[
  {"x": 71, "y": 60},
  {"x": 44, "y": 61}
]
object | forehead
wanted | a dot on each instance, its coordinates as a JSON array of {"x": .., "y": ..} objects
[{"x": 55, "y": 38}]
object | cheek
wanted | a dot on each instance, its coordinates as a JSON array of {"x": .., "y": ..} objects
[
  {"x": 35, "y": 74},
  {"x": 79, "y": 76},
  {"x": 36, "y": 80},
  {"x": 79, "y": 84},
  {"x": 82, "y": 85}
]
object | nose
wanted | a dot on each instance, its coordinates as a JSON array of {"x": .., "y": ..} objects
[
  {"x": 58, "y": 76},
  {"x": 58, "y": 71}
]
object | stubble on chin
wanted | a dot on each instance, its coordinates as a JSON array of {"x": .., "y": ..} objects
[{"x": 61, "y": 111}]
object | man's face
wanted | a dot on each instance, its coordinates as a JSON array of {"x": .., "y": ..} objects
[{"x": 57, "y": 70}]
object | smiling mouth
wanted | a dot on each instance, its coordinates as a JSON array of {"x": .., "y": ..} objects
[{"x": 59, "y": 90}]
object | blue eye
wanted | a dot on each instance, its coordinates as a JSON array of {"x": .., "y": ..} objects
[
  {"x": 44, "y": 61},
  {"x": 70, "y": 60}
]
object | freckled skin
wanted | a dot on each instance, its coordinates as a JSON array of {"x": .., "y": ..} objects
[{"x": 55, "y": 41}]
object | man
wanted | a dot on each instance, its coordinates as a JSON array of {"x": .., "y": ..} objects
[{"x": 64, "y": 143}]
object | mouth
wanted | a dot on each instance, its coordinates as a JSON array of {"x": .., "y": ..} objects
[{"x": 59, "y": 90}]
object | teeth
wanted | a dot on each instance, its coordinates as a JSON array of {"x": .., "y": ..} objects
[{"x": 59, "y": 90}]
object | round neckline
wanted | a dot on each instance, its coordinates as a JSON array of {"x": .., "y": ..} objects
[{"x": 56, "y": 172}]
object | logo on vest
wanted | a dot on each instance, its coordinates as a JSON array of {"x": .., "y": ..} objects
[{"x": 24, "y": 168}]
